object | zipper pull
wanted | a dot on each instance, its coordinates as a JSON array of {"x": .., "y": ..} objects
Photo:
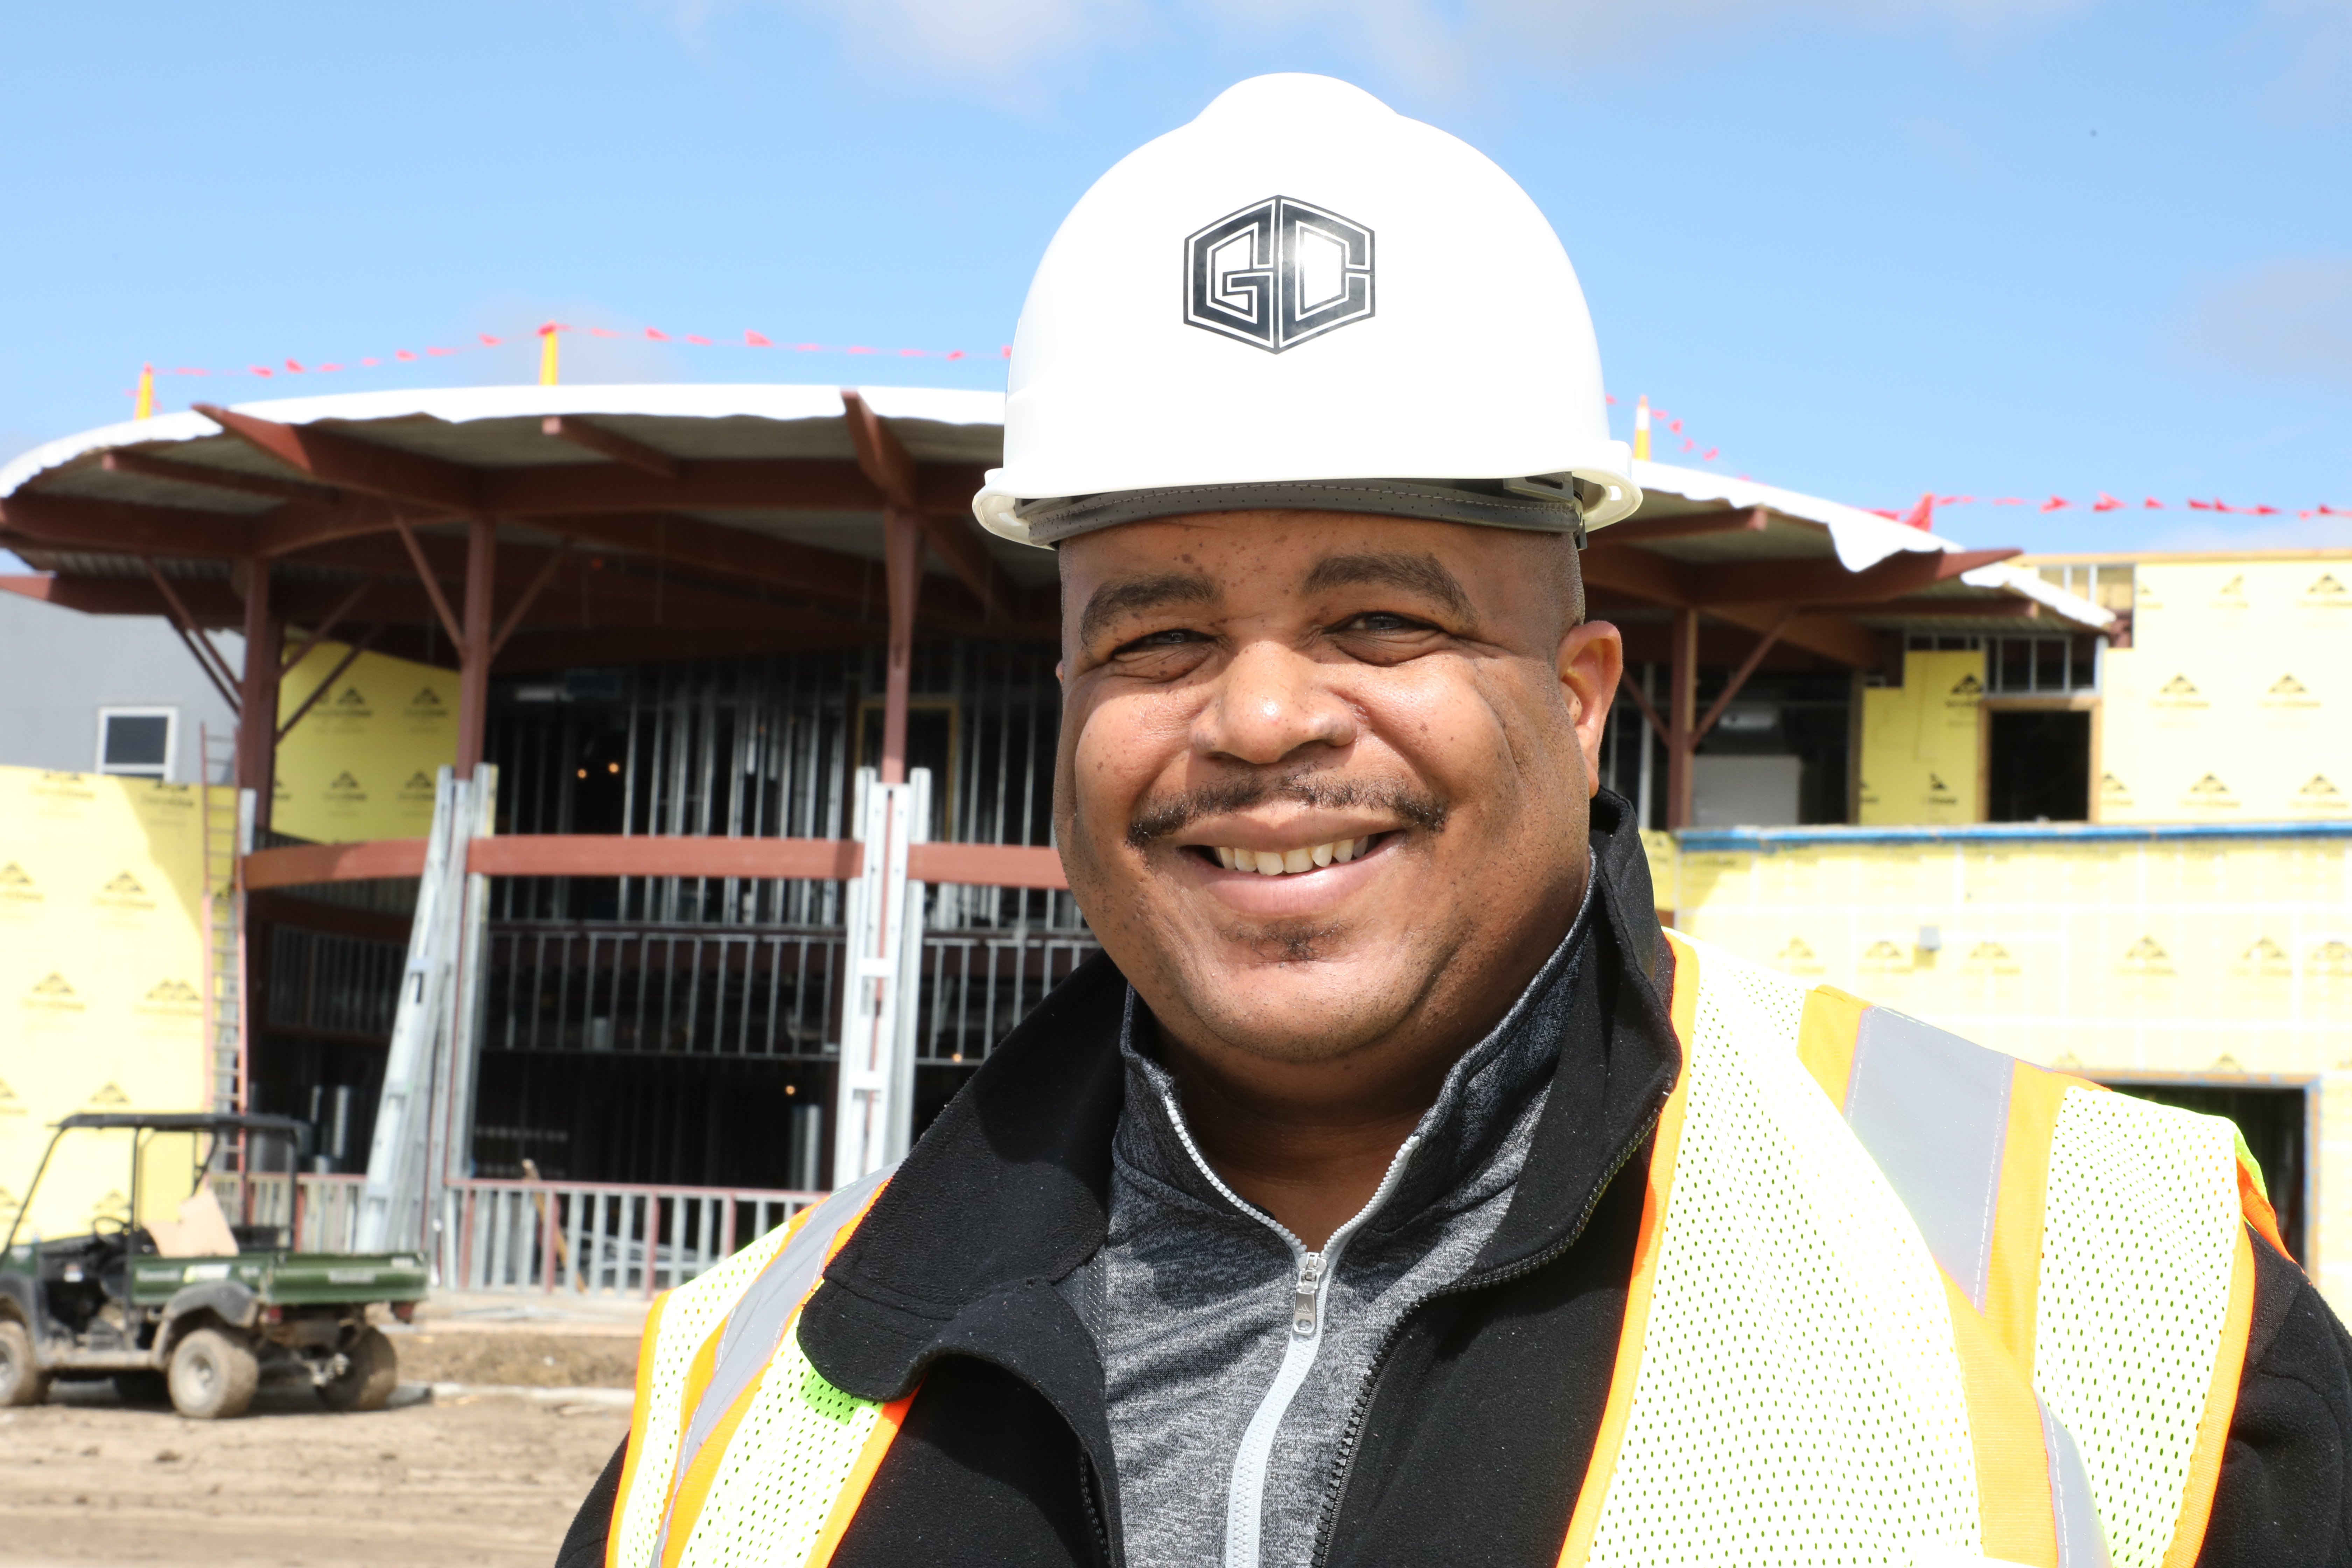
[{"x": 1302, "y": 1301}]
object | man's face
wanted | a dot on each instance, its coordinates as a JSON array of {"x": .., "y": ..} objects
[{"x": 1404, "y": 709}]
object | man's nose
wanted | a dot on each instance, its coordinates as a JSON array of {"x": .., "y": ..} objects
[{"x": 1270, "y": 701}]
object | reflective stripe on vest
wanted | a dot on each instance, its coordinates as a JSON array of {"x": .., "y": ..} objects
[
  {"x": 2099, "y": 1236},
  {"x": 1797, "y": 1380},
  {"x": 739, "y": 1450}
]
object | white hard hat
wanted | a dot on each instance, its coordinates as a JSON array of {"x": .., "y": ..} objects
[{"x": 1305, "y": 298}]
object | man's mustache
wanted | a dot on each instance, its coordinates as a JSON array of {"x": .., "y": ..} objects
[{"x": 1173, "y": 814}]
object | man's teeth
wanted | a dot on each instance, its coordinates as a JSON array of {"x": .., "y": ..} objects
[{"x": 1281, "y": 862}]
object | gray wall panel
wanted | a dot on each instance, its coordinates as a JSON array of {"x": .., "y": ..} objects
[{"x": 58, "y": 668}]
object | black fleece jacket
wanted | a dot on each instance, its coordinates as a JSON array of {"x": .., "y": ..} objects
[{"x": 1005, "y": 1456}]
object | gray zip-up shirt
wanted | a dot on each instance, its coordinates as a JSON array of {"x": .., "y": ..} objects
[{"x": 1233, "y": 1359}]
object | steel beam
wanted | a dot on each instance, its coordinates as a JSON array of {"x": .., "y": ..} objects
[
  {"x": 882, "y": 458},
  {"x": 736, "y": 553},
  {"x": 75, "y": 523},
  {"x": 192, "y": 633},
  {"x": 1721, "y": 646},
  {"x": 1630, "y": 569},
  {"x": 593, "y": 438},
  {"x": 357, "y": 647},
  {"x": 323, "y": 629},
  {"x": 148, "y": 466},
  {"x": 1691, "y": 525},
  {"x": 1739, "y": 677},
  {"x": 778, "y": 484},
  {"x": 474, "y": 648},
  {"x": 432, "y": 582},
  {"x": 257, "y": 708},
  {"x": 1826, "y": 582},
  {"x": 988, "y": 864},
  {"x": 1990, "y": 609},
  {"x": 566, "y": 649},
  {"x": 885, "y": 460},
  {"x": 725, "y": 556},
  {"x": 1625, "y": 567},
  {"x": 765, "y": 484},
  {"x": 300, "y": 864},
  {"x": 643, "y": 854},
  {"x": 353, "y": 518},
  {"x": 1682, "y": 704},
  {"x": 1649, "y": 710},
  {"x": 1830, "y": 635},
  {"x": 529, "y": 596},
  {"x": 350, "y": 462},
  {"x": 209, "y": 601}
]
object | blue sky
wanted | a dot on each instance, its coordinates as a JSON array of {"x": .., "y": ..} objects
[{"x": 1863, "y": 248}]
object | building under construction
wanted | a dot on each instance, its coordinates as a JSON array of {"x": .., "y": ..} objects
[{"x": 743, "y": 857}]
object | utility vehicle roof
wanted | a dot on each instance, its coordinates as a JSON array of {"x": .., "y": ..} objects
[{"x": 182, "y": 1121}]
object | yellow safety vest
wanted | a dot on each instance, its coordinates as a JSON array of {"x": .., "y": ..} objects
[{"x": 1896, "y": 1299}]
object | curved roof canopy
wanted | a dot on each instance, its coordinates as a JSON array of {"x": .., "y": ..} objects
[
  {"x": 672, "y": 520},
  {"x": 634, "y": 521}
]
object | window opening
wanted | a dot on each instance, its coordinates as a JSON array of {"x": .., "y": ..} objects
[
  {"x": 138, "y": 742},
  {"x": 2024, "y": 666}
]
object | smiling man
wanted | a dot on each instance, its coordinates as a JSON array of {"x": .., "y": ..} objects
[
  {"x": 1325, "y": 784},
  {"x": 1392, "y": 1189}
]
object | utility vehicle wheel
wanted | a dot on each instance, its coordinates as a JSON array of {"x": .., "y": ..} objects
[
  {"x": 22, "y": 1380},
  {"x": 213, "y": 1376},
  {"x": 141, "y": 1387},
  {"x": 371, "y": 1368}
]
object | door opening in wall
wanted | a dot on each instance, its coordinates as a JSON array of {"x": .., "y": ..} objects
[{"x": 2038, "y": 766}]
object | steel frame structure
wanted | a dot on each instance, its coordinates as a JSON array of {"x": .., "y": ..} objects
[{"x": 612, "y": 539}]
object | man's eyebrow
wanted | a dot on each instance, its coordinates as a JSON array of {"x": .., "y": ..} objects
[
  {"x": 1128, "y": 594},
  {"x": 1421, "y": 574}
]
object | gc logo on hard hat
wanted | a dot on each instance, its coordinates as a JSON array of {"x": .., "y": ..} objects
[{"x": 1279, "y": 273}]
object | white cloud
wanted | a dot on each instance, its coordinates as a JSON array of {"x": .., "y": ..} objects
[
  {"x": 990, "y": 47},
  {"x": 1621, "y": 18},
  {"x": 991, "y": 44},
  {"x": 985, "y": 40},
  {"x": 2289, "y": 317},
  {"x": 2315, "y": 38},
  {"x": 1639, "y": 28},
  {"x": 1437, "y": 43}
]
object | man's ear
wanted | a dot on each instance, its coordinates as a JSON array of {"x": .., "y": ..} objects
[
  {"x": 1591, "y": 659},
  {"x": 1059, "y": 666}
]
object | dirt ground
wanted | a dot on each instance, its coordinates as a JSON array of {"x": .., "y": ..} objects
[
  {"x": 537, "y": 1359},
  {"x": 440, "y": 1481},
  {"x": 481, "y": 1480}
]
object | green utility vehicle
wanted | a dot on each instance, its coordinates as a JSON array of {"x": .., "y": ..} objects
[{"x": 198, "y": 1307}]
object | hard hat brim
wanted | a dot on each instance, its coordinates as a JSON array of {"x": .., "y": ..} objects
[{"x": 1573, "y": 502}]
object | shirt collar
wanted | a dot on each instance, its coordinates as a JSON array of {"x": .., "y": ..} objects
[{"x": 1490, "y": 1088}]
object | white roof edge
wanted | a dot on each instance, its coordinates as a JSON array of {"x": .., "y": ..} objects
[
  {"x": 458, "y": 404},
  {"x": 943, "y": 405},
  {"x": 2026, "y": 582},
  {"x": 1862, "y": 539},
  {"x": 54, "y": 454}
]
